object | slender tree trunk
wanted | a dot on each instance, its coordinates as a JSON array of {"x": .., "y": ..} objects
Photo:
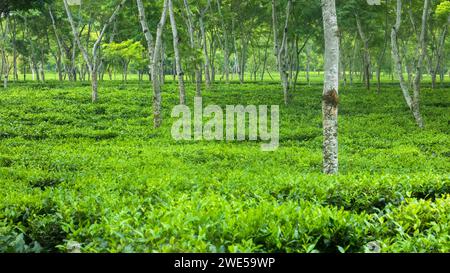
[
  {"x": 147, "y": 34},
  {"x": 296, "y": 56},
  {"x": 383, "y": 51},
  {"x": 284, "y": 67},
  {"x": 226, "y": 51},
  {"x": 282, "y": 51},
  {"x": 396, "y": 55},
  {"x": 353, "y": 60},
  {"x": 422, "y": 52},
  {"x": 366, "y": 54},
  {"x": 275, "y": 32},
  {"x": 243, "y": 60},
  {"x": 92, "y": 63},
  {"x": 265, "y": 59},
  {"x": 5, "y": 62},
  {"x": 330, "y": 99},
  {"x": 413, "y": 103},
  {"x": 14, "y": 33},
  {"x": 162, "y": 70},
  {"x": 157, "y": 118},
  {"x": 73, "y": 64},
  {"x": 58, "y": 42},
  {"x": 213, "y": 51},
  {"x": 205, "y": 51},
  {"x": 94, "y": 83},
  {"x": 41, "y": 65},
  {"x": 440, "y": 53},
  {"x": 179, "y": 69},
  {"x": 198, "y": 74},
  {"x": 308, "y": 63},
  {"x": 5, "y": 67}
]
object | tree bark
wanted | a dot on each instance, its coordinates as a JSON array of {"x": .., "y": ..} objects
[
  {"x": 226, "y": 51},
  {"x": 177, "y": 54},
  {"x": 198, "y": 75},
  {"x": 205, "y": 50},
  {"x": 58, "y": 42},
  {"x": 383, "y": 51},
  {"x": 366, "y": 53},
  {"x": 308, "y": 64},
  {"x": 5, "y": 63},
  {"x": 243, "y": 59},
  {"x": 92, "y": 63},
  {"x": 422, "y": 53},
  {"x": 413, "y": 103},
  {"x": 282, "y": 51},
  {"x": 330, "y": 99},
  {"x": 396, "y": 55},
  {"x": 14, "y": 34},
  {"x": 157, "y": 118},
  {"x": 440, "y": 54},
  {"x": 147, "y": 34},
  {"x": 265, "y": 59}
]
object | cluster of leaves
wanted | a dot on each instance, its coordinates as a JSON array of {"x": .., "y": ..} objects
[
  {"x": 443, "y": 9},
  {"x": 125, "y": 53}
]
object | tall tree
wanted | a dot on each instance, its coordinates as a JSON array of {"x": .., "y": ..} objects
[
  {"x": 192, "y": 43},
  {"x": 414, "y": 101},
  {"x": 93, "y": 61},
  {"x": 176, "y": 40},
  {"x": 281, "y": 50},
  {"x": 330, "y": 99},
  {"x": 201, "y": 19},
  {"x": 147, "y": 34},
  {"x": 156, "y": 81},
  {"x": 4, "y": 43},
  {"x": 366, "y": 51}
]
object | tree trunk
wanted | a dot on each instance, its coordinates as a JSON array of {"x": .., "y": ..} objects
[
  {"x": 162, "y": 71},
  {"x": 413, "y": 103},
  {"x": 308, "y": 63},
  {"x": 440, "y": 54},
  {"x": 226, "y": 53},
  {"x": 213, "y": 51},
  {"x": 383, "y": 51},
  {"x": 243, "y": 60},
  {"x": 284, "y": 63},
  {"x": 5, "y": 67},
  {"x": 282, "y": 51},
  {"x": 157, "y": 119},
  {"x": 366, "y": 55},
  {"x": 14, "y": 33},
  {"x": 330, "y": 99},
  {"x": 5, "y": 63},
  {"x": 422, "y": 52},
  {"x": 198, "y": 75},
  {"x": 59, "y": 54},
  {"x": 177, "y": 54},
  {"x": 265, "y": 59},
  {"x": 205, "y": 51},
  {"x": 73, "y": 69},
  {"x": 396, "y": 55},
  {"x": 92, "y": 63},
  {"x": 41, "y": 65},
  {"x": 147, "y": 34},
  {"x": 94, "y": 84}
]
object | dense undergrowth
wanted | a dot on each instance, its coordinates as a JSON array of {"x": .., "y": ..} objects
[{"x": 99, "y": 175}]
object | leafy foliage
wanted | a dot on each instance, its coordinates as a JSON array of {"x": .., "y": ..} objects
[{"x": 99, "y": 176}]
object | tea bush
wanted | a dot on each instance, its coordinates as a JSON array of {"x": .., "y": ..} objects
[{"x": 100, "y": 175}]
